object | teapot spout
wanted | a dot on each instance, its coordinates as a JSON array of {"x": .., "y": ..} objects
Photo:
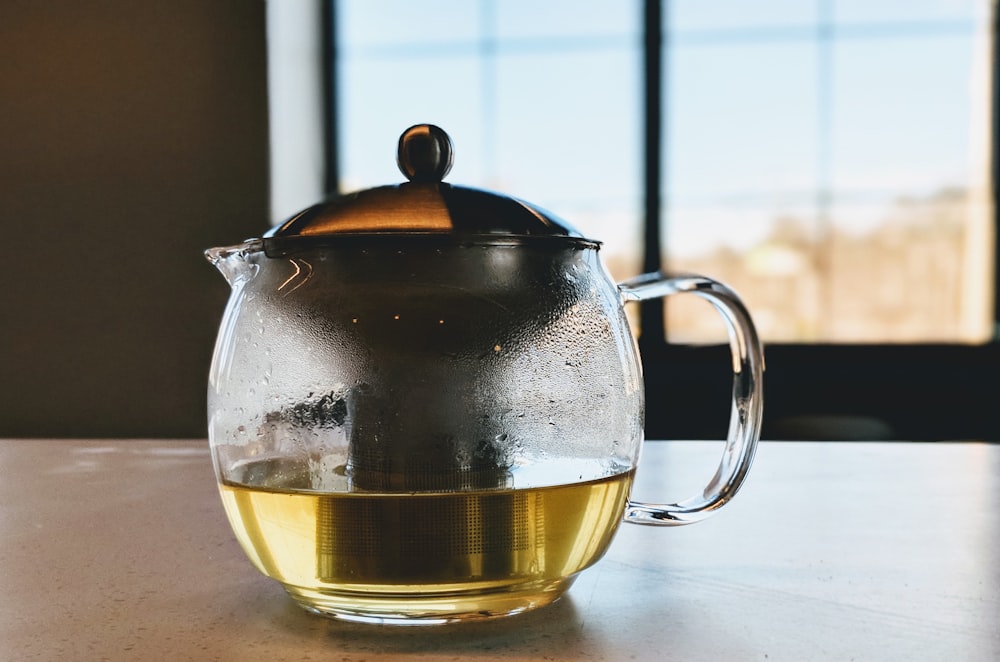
[{"x": 234, "y": 262}]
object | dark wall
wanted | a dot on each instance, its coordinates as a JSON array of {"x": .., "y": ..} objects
[
  {"x": 831, "y": 392},
  {"x": 132, "y": 136}
]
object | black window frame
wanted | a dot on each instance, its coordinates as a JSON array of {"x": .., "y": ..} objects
[{"x": 911, "y": 392}]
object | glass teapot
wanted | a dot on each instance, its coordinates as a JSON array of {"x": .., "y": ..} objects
[{"x": 425, "y": 403}]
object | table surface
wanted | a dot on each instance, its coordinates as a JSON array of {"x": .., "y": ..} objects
[{"x": 119, "y": 549}]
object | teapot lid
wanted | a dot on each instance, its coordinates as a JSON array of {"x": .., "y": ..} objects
[{"x": 423, "y": 205}]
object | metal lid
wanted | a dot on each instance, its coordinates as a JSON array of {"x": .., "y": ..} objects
[{"x": 424, "y": 204}]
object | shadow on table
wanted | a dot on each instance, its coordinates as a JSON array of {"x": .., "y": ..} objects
[
  {"x": 535, "y": 634},
  {"x": 569, "y": 629}
]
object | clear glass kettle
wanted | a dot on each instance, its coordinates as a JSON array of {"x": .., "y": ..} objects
[{"x": 425, "y": 403}]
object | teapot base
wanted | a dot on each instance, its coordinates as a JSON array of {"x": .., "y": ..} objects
[{"x": 431, "y": 608}]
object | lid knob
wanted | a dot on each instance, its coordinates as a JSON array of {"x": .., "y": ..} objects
[{"x": 425, "y": 153}]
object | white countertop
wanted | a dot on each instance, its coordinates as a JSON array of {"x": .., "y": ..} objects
[{"x": 120, "y": 550}]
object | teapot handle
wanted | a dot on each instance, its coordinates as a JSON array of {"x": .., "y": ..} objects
[{"x": 747, "y": 405}]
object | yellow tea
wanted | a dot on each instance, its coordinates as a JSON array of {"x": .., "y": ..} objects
[{"x": 433, "y": 554}]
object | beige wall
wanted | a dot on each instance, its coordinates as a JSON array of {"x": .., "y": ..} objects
[{"x": 132, "y": 136}]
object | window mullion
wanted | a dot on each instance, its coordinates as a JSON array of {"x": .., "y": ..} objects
[{"x": 652, "y": 322}]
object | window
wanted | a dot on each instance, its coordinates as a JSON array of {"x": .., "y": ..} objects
[
  {"x": 830, "y": 159},
  {"x": 825, "y": 158}
]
